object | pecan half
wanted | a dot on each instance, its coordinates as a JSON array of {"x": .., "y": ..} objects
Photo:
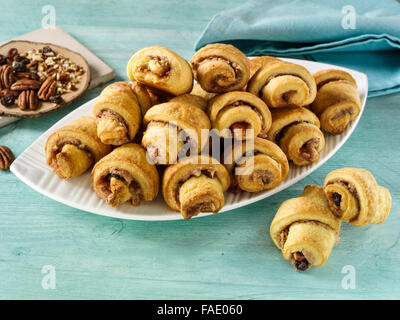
[
  {"x": 6, "y": 77},
  {"x": 6, "y": 158},
  {"x": 48, "y": 89},
  {"x": 26, "y": 84},
  {"x": 28, "y": 100}
]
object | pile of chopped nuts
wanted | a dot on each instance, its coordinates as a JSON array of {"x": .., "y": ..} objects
[{"x": 36, "y": 75}]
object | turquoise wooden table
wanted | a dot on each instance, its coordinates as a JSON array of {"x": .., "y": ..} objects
[{"x": 226, "y": 256}]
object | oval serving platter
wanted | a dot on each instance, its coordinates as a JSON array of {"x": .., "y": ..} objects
[
  {"x": 32, "y": 169},
  {"x": 68, "y": 98}
]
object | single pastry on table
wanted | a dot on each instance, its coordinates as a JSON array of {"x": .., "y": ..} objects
[
  {"x": 296, "y": 131},
  {"x": 72, "y": 149},
  {"x": 161, "y": 69},
  {"x": 255, "y": 165},
  {"x": 125, "y": 175},
  {"x": 118, "y": 114},
  {"x": 355, "y": 197},
  {"x": 305, "y": 230},
  {"x": 220, "y": 68},
  {"x": 192, "y": 99},
  {"x": 195, "y": 184},
  {"x": 283, "y": 84},
  {"x": 173, "y": 130},
  {"x": 337, "y": 102},
  {"x": 233, "y": 113}
]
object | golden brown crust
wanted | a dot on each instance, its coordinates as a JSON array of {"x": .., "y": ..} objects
[
  {"x": 258, "y": 62},
  {"x": 283, "y": 84},
  {"x": 263, "y": 169},
  {"x": 118, "y": 114},
  {"x": 305, "y": 229},
  {"x": 355, "y": 197},
  {"x": 125, "y": 174},
  {"x": 296, "y": 131},
  {"x": 337, "y": 102},
  {"x": 220, "y": 68},
  {"x": 191, "y": 99},
  {"x": 195, "y": 184},
  {"x": 199, "y": 91},
  {"x": 165, "y": 122},
  {"x": 162, "y": 69},
  {"x": 238, "y": 110},
  {"x": 72, "y": 149},
  {"x": 142, "y": 95}
]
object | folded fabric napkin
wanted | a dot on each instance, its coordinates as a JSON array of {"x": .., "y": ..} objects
[{"x": 362, "y": 35}]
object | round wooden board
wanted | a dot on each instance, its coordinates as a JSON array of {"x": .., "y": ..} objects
[{"x": 47, "y": 107}]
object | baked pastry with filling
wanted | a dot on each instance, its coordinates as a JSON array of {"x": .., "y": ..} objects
[
  {"x": 355, "y": 197},
  {"x": 296, "y": 131},
  {"x": 125, "y": 175},
  {"x": 337, "y": 102},
  {"x": 72, "y": 149},
  {"x": 305, "y": 230},
  {"x": 220, "y": 68},
  {"x": 195, "y": 184}
]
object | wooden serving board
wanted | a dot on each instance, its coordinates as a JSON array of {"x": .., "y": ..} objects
[{"x": 99, "y": 71}]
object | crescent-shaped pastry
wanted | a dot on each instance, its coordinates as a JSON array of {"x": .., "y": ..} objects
[
  {"x": 283, "y": 84},
  {"x": 162, "y": 69},
  {"x": 305, "y": 229},
  {"x": 118, "y": 114},
  {"x": 192, "y": 99},
  {"x": 296, "y": 131},
  {"x": 355, "y": 197},
  {"x": 195, "y": 184},
  {"x": 337, "y": 102},
  {"x": 173, "y": 130},
  {"x": 259, "y": 62},
  {"x": 125, "y": 175},
  {"x": 238, "y": 111},
  {"x": 256, "y": 165},
  {"x": 72, "y": 149},
  {"x": 220, "y": 68}
]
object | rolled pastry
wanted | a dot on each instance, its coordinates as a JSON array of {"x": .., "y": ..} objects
[
  {"x": 195, "y": 184},
  {"x": 355, "y": 197},
  {"x": 237, "y": 111},
  {"x": 337, "y": 102},
  {"x": 259, "y": 62},
  {"x": 220, "y": 68},
  {"x": 192, "y": 99},
  {"x": 72, "y": 149},
  {"x": 305, "y": 229},
  {"x": 162, "y": 69},
  {"x": 174, "y": 130},
  {"x": 125, "y": 175},
  {"x": 283, "y": 84},
  {"x": 296, "y": 131},
  {"x": 256, "y": 165},
  {"x": 118, "y": 114}
]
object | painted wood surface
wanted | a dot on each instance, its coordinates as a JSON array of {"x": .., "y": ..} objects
[{"x": 227, "y": 256}]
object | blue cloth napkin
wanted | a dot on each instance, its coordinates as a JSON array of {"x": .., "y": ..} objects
[{"x": 362, "y": 35}]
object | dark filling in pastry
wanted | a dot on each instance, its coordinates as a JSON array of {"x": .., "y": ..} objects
[
  {"x": 72, "y": 141},
  {"x": 341, "y": 113},
  {"x": 336, "y": 198},
  {"x": 235, "y": 67},
  {"x": 281, "y": 133},
  {"x": 300, "y": 261},
  {"x": 194, "y": 173},
  {"x": 207, "y": 206},
  {"x": 286, "y": 95},
  {"x": 308, "y": 151},
  {"x": 265, "y": 175},
  {"x": 112, "y": 114},
  {"x": 134, "y": 187},
  {"x": 166, "y": 67}
]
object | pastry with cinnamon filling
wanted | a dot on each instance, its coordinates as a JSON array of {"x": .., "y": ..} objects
[
  {"x": 125, "y": 175},
  {"x": 72, "y": 149},
  {"x": 305, "y": 230},
  {"x": 195, "y": 184},
  {"x": 296, "y": 131},
  {"x": 118, "y": 114},
  {"x": 337, "y": 102},
  {"x": 355, "y": 197},
  {"x": 161, "y": 69},
  {"x": 220, "y": 68}
]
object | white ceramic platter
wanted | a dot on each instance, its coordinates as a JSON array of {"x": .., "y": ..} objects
[{"x": 32, "y": 169}]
